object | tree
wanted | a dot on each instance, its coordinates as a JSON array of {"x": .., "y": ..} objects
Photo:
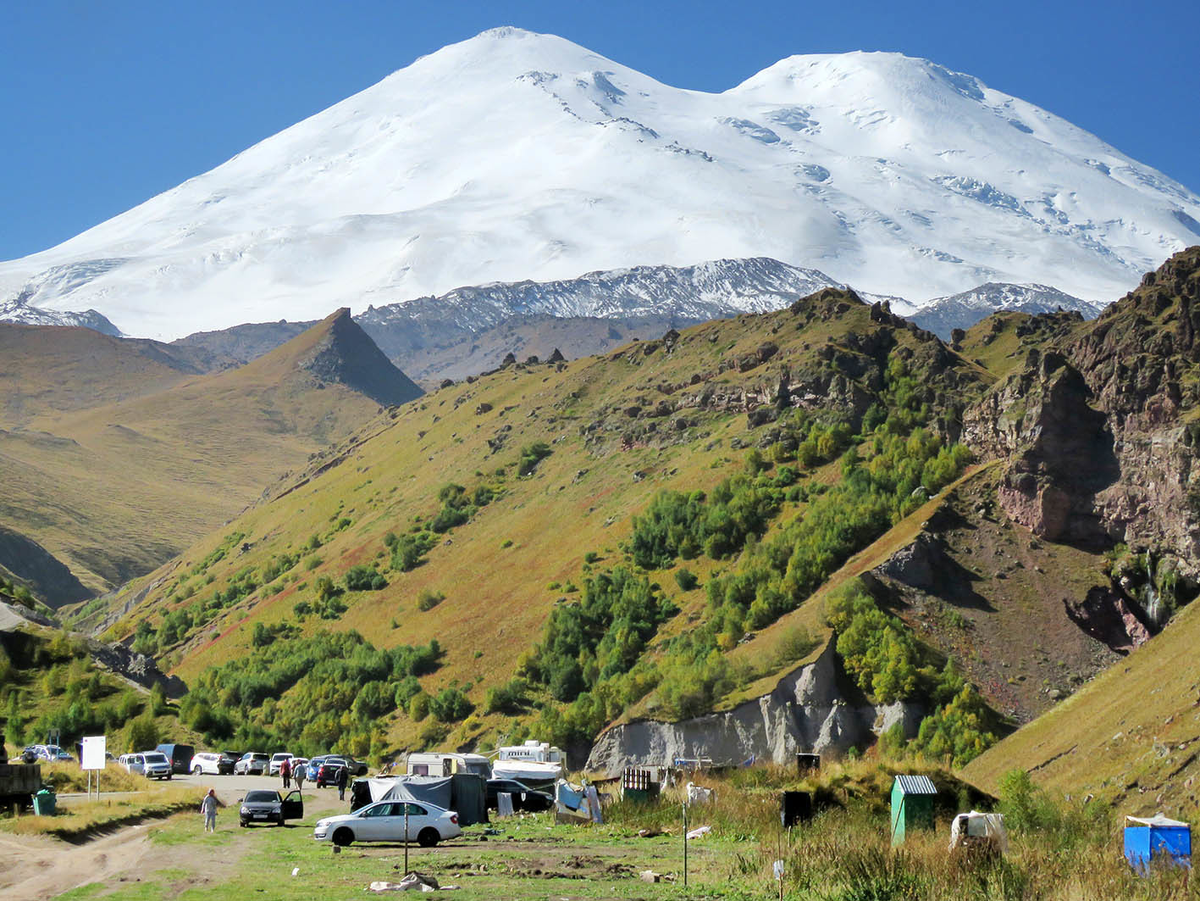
[{"x": 141, "y": 734}]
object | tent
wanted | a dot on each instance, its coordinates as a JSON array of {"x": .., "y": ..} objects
[
  {"x": 464, "y": 793},
  {"x": 976, "y": 829},
  {"x": 1153, "y": 838},
  {"x": 530, "y": 772},
  {"x": 912, "y": 805}
]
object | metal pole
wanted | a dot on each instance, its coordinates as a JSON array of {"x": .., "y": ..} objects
[
  {"x": 685, "y": 860},
  {"x": 405, "y": 838}
]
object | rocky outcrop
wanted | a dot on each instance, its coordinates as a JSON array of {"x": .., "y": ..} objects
[
  {"x": 1099, "y": 442},
  {"x": 137, "y": 668},
  {"x": 810, "y": 710},
  {"x": 1059, "y": 448},
  {"x": 917, "y": 564},
  {"x": 1109, "y": 617}
]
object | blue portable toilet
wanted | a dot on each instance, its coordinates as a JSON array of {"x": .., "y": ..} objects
[{"x": 1153, "y": 838}]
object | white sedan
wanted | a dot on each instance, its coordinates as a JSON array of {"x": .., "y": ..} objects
[{"x": 383, "y": 821}]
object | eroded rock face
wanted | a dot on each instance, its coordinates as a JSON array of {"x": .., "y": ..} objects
[
  {"x": 1097, "y": 436},
  {"x": 806, "y": 712},
  {"x": 1059, "y": 447}
]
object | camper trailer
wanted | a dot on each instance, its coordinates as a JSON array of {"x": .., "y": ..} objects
[
  {"x": 534, "y": 763},
  {"x": 436, "y": 764}
]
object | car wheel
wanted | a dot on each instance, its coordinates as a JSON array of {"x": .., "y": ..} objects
[
  {"x": 343, "y": 837},
  {"x": 196, "y": 771},
  {"x": 242, "y": 823},
  {"x": 428, "y": 837},
  {"x": 279, "y": 820},
  {"x": 169, "y": 776}
]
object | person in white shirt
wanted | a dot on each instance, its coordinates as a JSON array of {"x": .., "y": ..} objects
[{"x": 208, "y": 807}]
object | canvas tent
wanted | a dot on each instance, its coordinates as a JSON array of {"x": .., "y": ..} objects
[
  {"x": 464, "y": 793},
  {"x": 1154, "y": 838},
  {"x": 912, "y": 805}
]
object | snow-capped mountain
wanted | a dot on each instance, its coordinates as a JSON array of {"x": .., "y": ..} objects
[
  {"x": 944, "y": 314},
  {"x": 516, "y": 156},
  {"x": 692, "y": 293},
  {"x": 17, "y": 310}
]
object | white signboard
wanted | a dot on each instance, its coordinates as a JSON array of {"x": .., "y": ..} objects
[{"x": 93, "y": 752}]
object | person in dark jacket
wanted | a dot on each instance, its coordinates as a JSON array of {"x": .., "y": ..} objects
[
  {"x": 341, "y": 782},
  {"x": 285, "y": 770}
]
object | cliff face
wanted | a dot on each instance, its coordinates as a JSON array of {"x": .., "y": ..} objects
[
  {"x": 1100, "y": 436},
  {"x": 808, "y": 711}
]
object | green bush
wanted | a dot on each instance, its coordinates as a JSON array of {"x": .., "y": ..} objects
[
  {"x": 531, "y": 456},
  {"x": 410, "y": 549},
  {"x": 364, "y": 578},
  {"x": 451, "y": 705},
  {"x": 428, "y": 599},
  {"x": 686, "y": 579}
]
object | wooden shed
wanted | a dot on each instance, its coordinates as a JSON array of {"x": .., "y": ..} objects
[{"x": 912, "y": 805}]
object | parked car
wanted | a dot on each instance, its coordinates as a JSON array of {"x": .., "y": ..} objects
[
  {"x": 327, "y": 774},
  {"x": 277, "y": 761},
  {"x": 179, "y": 755},
  {"x": 211, "y": 763},
  {"x": 314, "y": 767},
  {"x": 356, "y": 767},
  {"x": 264, "y": 806},
  {"x": 383, "y": 821},
  {"x": 151, "y": 764},
  {"x": 523, "y": 797},
  {"x": 252, "y": 762},
  {"x": 50, "y": 753}
]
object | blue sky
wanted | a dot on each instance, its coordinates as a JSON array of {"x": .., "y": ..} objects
[{"x": 105, "y": 104}]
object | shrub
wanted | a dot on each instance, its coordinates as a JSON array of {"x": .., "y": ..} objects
[
  {"x": 364, "y": 578},
  {"x": 409, "y": 550},
  {"x": 428, "y": 599},
  {"x": 141, "y": 734},
  {"x": 531, "y": 456},
  {"x": 686, "y": 579},
  {"x": 451, "y": 705}
]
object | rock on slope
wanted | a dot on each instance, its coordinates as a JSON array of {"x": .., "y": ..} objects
[
  {"x": 814, "y": 709},
  {"x": 516, "y": 156}
]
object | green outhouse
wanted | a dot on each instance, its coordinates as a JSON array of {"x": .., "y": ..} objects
[{"x": 912, "y": 805}]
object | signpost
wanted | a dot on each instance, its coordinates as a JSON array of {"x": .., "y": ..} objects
[{"x": 93, "y": 758}]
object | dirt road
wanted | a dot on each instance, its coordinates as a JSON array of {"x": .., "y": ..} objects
[{"x": 39, "y": 867}]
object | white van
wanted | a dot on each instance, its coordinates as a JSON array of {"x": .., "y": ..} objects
[
  {"x": 152, "y": 764},
  {"x": 435, "y": 764}
]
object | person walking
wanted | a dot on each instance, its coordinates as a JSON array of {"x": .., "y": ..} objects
[
  {"x": 341, "y": 782},
  {"x": 208, "y": 807},
  {"x": 285, "y": 770},
  {"x": 300, "y": 774}
]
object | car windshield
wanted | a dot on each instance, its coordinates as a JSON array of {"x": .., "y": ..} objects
[
  {"x": 262, "y": 796},
  {"x": 156, "y": 758}
]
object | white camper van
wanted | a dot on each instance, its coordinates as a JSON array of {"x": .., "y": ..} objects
[{"x": 435, "y": 764}]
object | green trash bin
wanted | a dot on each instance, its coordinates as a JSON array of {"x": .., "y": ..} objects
[{"x": 45, "y": 802}]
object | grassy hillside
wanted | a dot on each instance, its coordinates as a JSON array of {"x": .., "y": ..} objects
[
  {"x": 1130, "y": 735},
  {"x": 551, "y": 463},
  {"x": 115, "y": 470}
]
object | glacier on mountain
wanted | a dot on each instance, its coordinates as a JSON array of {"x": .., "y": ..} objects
[{"x": 515, "y": 156}]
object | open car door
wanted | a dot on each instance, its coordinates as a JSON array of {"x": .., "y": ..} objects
[{"x": 293, "y": 806}]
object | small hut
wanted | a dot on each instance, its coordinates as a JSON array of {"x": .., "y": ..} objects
[
  {"x": 912, "y": 805},
  {"x": 1154, "y": 838}
]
